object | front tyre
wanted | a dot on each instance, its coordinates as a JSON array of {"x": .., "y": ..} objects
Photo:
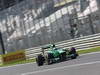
[{"x": 40, "y": 60}]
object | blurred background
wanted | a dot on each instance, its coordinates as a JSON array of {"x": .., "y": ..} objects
[{"x": 30, "y": 23}]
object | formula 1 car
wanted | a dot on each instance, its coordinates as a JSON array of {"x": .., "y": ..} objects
[{"x": 51, "y": 54}]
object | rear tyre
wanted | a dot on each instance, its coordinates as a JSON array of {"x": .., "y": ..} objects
[
  {"x": 40, "y": 60},
  {"x": 50, "y": 58},
  {"x": 73, "y": 56},
  {"x": 63, "y": 56}
]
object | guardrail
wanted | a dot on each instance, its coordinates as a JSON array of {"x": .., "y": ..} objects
[{"x": 79, "y": 43}]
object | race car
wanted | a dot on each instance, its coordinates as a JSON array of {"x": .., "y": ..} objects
[{"x": 51, "y": 54}]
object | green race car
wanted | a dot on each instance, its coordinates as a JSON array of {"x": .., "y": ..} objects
[{"x": 51, "y": 54}]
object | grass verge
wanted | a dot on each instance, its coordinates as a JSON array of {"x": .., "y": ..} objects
[
  {"x": 18, "y": 62},
  {"x": 96, "y": 49}
]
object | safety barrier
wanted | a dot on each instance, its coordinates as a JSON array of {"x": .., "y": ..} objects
[{"x": 80, "y": 43}]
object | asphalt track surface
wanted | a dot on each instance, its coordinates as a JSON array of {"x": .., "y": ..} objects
[{"x": 83, "y": 65}]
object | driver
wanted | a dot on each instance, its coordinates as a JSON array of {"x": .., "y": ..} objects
[{"x": 54, "y": 47}]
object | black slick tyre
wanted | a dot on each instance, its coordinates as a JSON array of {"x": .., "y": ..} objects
[
  {"x": 73, "y": 56},
  {"x": 40, "y": 60},
  {"x": 49, "y": 58},
  {"x": 63, "y": 56}
]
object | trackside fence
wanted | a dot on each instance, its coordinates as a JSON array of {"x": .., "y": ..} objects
[{"x": 80, "y": 43}]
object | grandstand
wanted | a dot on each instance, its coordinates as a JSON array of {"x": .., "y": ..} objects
[{"x": 30, "y": 23}]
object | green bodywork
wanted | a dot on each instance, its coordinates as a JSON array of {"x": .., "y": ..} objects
[{"x": 53, "y": 50}]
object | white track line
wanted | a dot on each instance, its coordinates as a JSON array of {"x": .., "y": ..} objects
[
  {"x": 16, "y": 65},
  {"x": 58, "y": 68}
]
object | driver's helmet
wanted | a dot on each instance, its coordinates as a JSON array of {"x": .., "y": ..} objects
[{"x": 53, "y": 45}]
